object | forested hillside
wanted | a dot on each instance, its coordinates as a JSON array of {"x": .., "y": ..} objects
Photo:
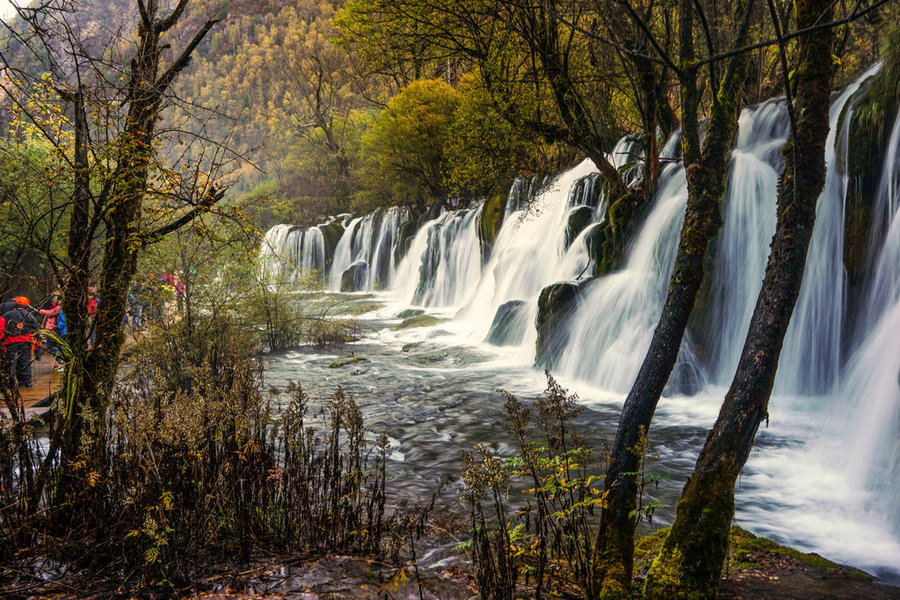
[{"x": 306, "y": 93}]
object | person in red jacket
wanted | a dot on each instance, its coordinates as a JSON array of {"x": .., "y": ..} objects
[{"x": 18, "y": 335}]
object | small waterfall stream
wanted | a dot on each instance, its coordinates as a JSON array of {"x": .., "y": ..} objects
[{"x": 293, "y": 253}]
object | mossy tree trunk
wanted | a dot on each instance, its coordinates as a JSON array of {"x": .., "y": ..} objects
[
  {"x": 693, "y": 556},
  {"x": 706, "y": 174},
  {"x": 117, "y": 206}
]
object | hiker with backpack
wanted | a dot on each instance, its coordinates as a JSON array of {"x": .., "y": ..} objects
[{"x": 18, "y": 327}]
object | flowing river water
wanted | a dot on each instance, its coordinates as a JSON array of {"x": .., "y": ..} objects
[{"x": 824, "y": 475}]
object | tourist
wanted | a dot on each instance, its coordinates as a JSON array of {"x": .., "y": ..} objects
[
  {"x": 19, "y": 327},
  {"x": 51, "y": 312}
]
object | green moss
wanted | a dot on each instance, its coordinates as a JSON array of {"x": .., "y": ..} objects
[
  {"x": 410, "y": 346},
  {"x": 744, "y": 543},
  {"x": 578, "y": 220},
  {"x": 410, "y": 312},
  {"x": 870, "y": 126},
  {"x": 349, "y": 361},
  {"x": 492, "y": 218},
  {"x": 419, "y": 321},
  {"x": 554, "y": 309},
  {"x": 609, "y": 241}
]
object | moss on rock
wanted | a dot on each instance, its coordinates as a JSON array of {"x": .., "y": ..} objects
[
  {"x": 870, "y": 129},
  {"x": 419, "y": 321},
  {"x": 555, "y": 307},
  {"x": 491, "y": 220},
  {"x": 579, "y": 218},
  {"x": 608, "y": 242},
  {"x": 350, "y": 361},
  {"x": 331, "y": 232}
]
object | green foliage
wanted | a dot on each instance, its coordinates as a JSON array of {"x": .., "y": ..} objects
[
  {"x": 196, "y": 468},
  {"x": 548, "y": 540},
  {"x": 405, "y": 150}
]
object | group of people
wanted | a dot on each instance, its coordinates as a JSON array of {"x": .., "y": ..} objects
[
  {"x": 19, "y": 336},
  {"x": 24, "y": 329}
]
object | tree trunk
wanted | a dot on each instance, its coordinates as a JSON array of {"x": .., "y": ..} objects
[
  {"x": 706, "y": 186},
  {"x": 691, "y": 562},
  {"x": 92, "y": 372}
]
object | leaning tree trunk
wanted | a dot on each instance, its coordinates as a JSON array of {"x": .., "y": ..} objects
[
  {"x": 706, "y": 174},
  {"x": 692, "y": 558}
]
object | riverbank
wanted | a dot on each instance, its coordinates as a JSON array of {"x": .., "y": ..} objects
[{"x": 758, "y": 569}]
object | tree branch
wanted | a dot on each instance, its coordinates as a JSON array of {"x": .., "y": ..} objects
[
  {"x": 170, "y": 21},
  {"x": 212, "y": 197},
  {"x": 185, "y": 57}
]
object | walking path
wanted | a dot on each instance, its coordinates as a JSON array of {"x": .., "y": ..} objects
[{"x": 36, "y": 400}]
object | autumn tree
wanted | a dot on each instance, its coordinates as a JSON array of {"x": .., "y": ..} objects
[{"x": 99, "y": 108}]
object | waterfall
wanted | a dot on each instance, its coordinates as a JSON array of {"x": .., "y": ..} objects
[
  {"x": 292, "y": 253},
  {"x": 815, "y": 335},
  {"x": 368, "y": 246},
  {"x": 610, "y": 332},
  {"x": 444, "y": 260},
  {"x": 868, "y": 407},
  {"x": 530, "y": 250},
  {"x": 612, "y": 329},
  {"x": 741, "y": 249},
  {"x": 547, "y": 224}
]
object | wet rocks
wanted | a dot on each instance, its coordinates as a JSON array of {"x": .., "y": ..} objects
[
  {"x": 354, "y": 278},
  {"x": 510, "y": 324},
  {"x": 556, "y": 305}
]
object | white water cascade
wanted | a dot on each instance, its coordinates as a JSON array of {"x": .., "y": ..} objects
[
  {"x": 293, "y": 253},
  {"x": 836, "y": 407},
  {"x": 868, "y": 407},
  {"x": 815, "y": 334},
  {"x": 367, "y": 244}
]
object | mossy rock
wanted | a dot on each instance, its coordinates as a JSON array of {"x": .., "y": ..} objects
[
  {"x": 556, "y": 305},
  {"x": 405, "y": 236},
  {"x": 354, "y": 278},
  {"x": 410, "y": 346},
  {"x": 608, "y": 243},
  {"x": 869, "y": 133},
  {"x": 579, "y": 218},
  {"x": 756, "y": 566},
  {"x": 491, "y": 219},
  {"x": 331, "y": 232},
  {"x": 410, "y": 312},
  {"x": 419, "y": 321},
  {"x": 509, "y": 325},
  {"x": 349, "y": 361}
]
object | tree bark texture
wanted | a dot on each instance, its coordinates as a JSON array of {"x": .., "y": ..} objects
[
  {"x": 691, "y": 562},
  {"x": 706, "y": 175}
]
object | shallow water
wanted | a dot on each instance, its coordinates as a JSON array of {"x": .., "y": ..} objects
[{"x": 434, "y": 394}]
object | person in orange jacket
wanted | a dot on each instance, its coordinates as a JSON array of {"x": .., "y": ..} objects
[{"x": 18, "y": 326}]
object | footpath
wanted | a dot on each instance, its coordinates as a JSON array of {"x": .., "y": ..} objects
[{"x": 37, "y": 399}]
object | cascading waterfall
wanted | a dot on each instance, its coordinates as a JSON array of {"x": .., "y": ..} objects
[
  {"x": 292, "y": 253},
  {"x": 530, "y": 250},
  {"x": 612, "y": 329},
  {"x": 444, "y": 260},
  {"x": 609, "y": 334},
  {"x": 868, "y": 407},
  {"x": 447, "y": 268},
  {"x": 368, "y": 245},
  {"x": 742, "y": 246},
  {"x": 815, "y": 335}
]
